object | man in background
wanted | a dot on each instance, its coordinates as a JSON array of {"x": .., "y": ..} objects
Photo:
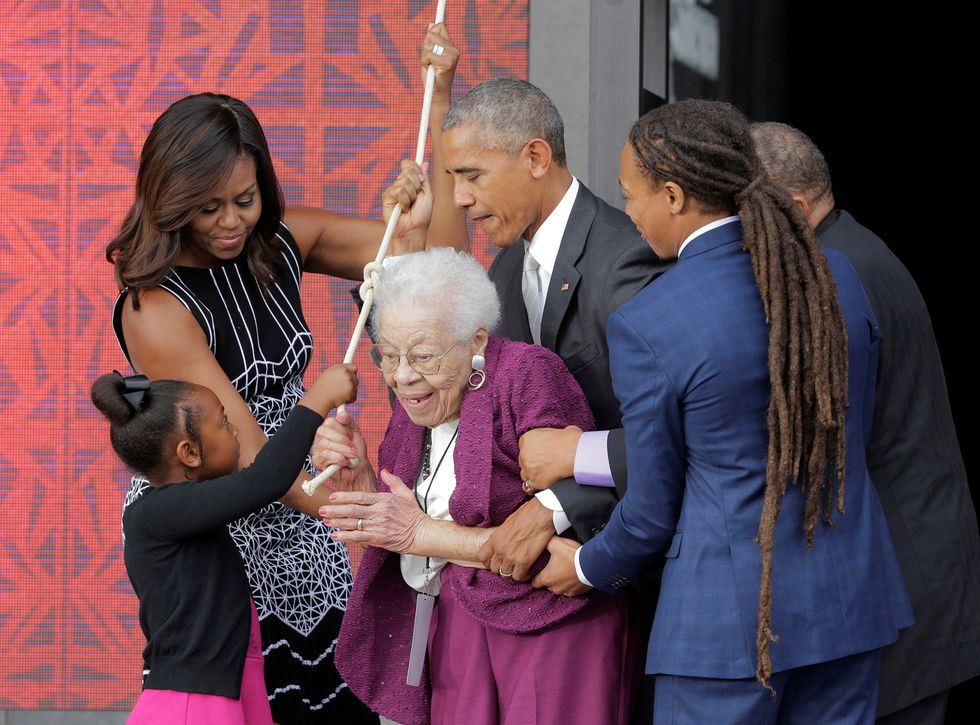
[{"x": 913, "y": 455}]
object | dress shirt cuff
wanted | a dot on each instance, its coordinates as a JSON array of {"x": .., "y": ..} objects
[
  {"x": 592, "y": 460},
  {"x": 550, "y": 501},
  {"x": 578, "y": 569}
]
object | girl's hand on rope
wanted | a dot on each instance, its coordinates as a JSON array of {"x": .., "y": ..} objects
[
  {"x": 444, "y": 64},
  {"x": 338, "y": 440},
  {"x": 335, "y": 386},
  {"x": 410, "y": 191}
]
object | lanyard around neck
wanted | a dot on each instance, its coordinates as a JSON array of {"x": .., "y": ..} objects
[{"x": 424, "y": 501}]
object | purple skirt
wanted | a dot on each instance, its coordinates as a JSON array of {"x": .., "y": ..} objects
[{"x": 169, "y": 707}]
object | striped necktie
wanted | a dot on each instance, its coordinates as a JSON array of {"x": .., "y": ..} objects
[{"x": 533, "y": 299}]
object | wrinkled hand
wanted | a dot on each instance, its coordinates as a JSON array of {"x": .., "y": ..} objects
[
  {"x": 338, "y": 440},
  {"x": 411, "y": 192},
  {"x": 389, "y": 521},
  {"x": 548, "y": 455},
  {"x": 445, "y": 64},
  {"x": 519, "y": 541},
  {"x": 559, "y": 575}
]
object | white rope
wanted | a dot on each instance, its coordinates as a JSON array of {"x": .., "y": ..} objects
[{"x": 372, "y": 269}]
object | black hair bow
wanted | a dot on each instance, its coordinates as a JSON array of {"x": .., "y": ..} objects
[{"x": 134, "y": 389}]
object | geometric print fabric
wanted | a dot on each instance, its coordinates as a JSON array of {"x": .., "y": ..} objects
[{"x": 337, "y": 87}]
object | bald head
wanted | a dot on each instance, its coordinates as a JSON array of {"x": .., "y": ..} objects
[{"x": 795, "y": 163}]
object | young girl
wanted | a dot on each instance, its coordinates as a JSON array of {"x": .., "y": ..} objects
[{"x": 203, "y": 651}]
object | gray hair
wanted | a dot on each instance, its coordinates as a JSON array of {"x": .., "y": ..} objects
[
  {"x": 451, "y": 285},
  {"x": 509, "y": 112},
  {"x": 792, "y": 160}
]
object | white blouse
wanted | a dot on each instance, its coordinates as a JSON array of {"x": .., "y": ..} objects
[{"x": 433, "y": 495}]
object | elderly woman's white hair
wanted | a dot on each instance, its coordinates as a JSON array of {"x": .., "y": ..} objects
[{"x": 452, "y": 286}]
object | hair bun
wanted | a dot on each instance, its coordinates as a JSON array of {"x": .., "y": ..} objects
[{"x": 107, "y": 395}]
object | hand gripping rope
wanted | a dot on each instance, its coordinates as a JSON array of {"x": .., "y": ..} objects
[{"x": 372, "y": 270}]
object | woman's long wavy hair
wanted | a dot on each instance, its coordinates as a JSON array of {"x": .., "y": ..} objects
[
  {"x": 190, "y": 152},
  {"x": 705, "y": 147}
]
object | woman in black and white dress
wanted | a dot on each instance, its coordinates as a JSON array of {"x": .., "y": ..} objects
[{"x": 209, "y": 264}]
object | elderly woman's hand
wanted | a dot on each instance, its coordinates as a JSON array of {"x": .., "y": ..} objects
[
  {"x": 337, "y": 441},
  {"x": 391, "y": 521},
  {"x": 559, "y": 576},
  {"x": 548, "y": 455}
]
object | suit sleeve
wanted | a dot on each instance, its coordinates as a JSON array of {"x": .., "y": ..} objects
[
  {"x": 616, "y": 452},
  {"x": 633, "y": 270},
  {"x": 588, "y": 508},
  {"x": 184, "y": 510},
  {"x": 645, "y": 520}
]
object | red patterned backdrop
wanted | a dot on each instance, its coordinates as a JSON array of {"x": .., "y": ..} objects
[{"x": 337, "y": 87}]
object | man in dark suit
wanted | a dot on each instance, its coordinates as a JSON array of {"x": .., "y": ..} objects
[
  {"x": 568, "y": 260},
  {"x": 913, "y": 456}
]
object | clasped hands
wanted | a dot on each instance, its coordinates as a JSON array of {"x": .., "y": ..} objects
[
  {"x": 518, "y": 542},
  {"x": 547, "y": 455}
]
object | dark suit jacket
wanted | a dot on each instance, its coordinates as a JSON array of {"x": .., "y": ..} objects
[
  {"x": 602, "y": 262},
  {"x": 915, "y": 463},
  {"x": 694, "y": 390}
]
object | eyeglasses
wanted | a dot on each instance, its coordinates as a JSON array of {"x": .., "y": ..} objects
[{"x": 421, "y": 358}]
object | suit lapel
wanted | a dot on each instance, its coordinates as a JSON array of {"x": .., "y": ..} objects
[
  {"x": 507, "y": 274},
  {"x": 564, "y": 281},
  {"x": 565, "y": 278}
]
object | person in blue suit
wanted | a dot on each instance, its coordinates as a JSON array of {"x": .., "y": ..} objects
[{"x": 746, "y": 379}]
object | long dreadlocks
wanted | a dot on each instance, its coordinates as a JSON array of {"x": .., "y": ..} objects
[{"x": 705, "y": 147}]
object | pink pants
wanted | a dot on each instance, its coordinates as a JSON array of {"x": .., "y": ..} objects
[{"x": 169, "y": 707}]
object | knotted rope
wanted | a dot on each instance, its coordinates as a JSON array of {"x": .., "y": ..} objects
[{"x": 372, "y": 271}]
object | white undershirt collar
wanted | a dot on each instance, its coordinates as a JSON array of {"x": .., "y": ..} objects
[{"x": 705, "y": 229}]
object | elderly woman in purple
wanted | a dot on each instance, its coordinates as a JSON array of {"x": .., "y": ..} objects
[{"x": 428, "y": 637}]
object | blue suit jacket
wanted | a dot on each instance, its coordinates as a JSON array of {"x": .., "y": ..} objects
[{"x": 689, "y": 366}]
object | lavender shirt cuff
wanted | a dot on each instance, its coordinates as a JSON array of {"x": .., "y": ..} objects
[{"x": 592, "y": 460}]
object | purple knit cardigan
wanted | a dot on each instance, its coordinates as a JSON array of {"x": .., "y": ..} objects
[{"x": 527, "y": 387}]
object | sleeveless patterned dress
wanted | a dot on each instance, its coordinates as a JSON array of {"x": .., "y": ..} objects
[{"x": 299, "y": 576}]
